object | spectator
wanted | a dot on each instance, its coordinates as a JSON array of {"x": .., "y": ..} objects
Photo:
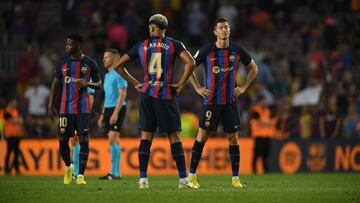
[
  {"x": 117, "y": 34},
  {"x": 26, "y": 67},
  {"x": 47, "y": 62},
  {"x": 37, "y": 120},
  {"x": 351, "y": 121},
  {"x": 330, "y": 120},
  {"x": 196, "y": 22},
  {"x": 305, "y": 123}
]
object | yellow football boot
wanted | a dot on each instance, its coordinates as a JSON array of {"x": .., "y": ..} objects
[
  {"x": 68, "y": 175},
  {"x": 80, "y": 180},
  {"x": 193, "y": 180},
  {"x": 237, "y": 184}
]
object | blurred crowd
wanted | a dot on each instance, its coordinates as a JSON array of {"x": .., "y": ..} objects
[{"x": 296, "y": 45}]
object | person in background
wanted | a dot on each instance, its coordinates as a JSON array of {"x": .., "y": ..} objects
[
  {"x": 330, "y": 120},
  {"x": 13, "y": 131},
  {"x": 37, "y": 121},
  {"x": 262, "y": 129},
  {"x": 114, "y": 110}
]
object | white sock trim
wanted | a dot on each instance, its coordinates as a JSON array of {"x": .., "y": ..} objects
[
  {"x": 68, "y": 167},
  {"x": 144, "y": 180}
]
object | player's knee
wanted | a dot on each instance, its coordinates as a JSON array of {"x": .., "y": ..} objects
[
  {"x": 147, "y": 135},
  {"x": 233, "y": 139},
  {"x": 203, "y": 136},
  {"x": 174, "y": 137},
  {"x": 75, "y": 140},
  {"x": 113, "y": 137},
  {"x": 83, "y": 138}
]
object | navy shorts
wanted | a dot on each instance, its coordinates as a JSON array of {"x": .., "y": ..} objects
[
  {"x": 121, "y": 118},
  {"x": 211, "y": 115},
  {"x": 161, "y": 113},
  {"x": 69, "y": 123}
]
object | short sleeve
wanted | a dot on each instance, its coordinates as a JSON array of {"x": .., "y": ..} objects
[
  {"x": 90, "y": 90},
  {"x": 28, "y": 93},
  {"x": 121, "y": 83},
  {"x": 133, "y": 52},
  {"x": 58, "y": 72},
  {"x": 95, "y": 77},
  {"x": 200, "y": 56},
  {"x": 244, "y": 56},
  {"x": 178, "y": 47}
]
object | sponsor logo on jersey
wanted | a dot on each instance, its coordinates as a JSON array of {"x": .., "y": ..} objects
[
  {"x": 83, "y": 69},
  {"x": 67, "y": 79},
  {"x": 217, "y": 69},
  {"x": 232, "y": 58}
]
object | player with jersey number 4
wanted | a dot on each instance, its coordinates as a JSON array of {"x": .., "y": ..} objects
[{"x": 158, "y": 106}]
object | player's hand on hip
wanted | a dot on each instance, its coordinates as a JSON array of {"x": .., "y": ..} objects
[
  {"x": 177, "y": 87},
  {"x": 80, "y": 83},
  {"x": 238, "y": 90},
  {"x": 138, "y": 87},
  {"x": 101, "y": 122},
  {"x": 202, "y": 91},
  {"x": 113, "y": 119}
]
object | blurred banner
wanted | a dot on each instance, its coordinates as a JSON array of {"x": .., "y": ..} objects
[
  {"x": 42, "y": 157},
  {"x": 308, "y": 96},
  {"x": 315, "y": 156}
]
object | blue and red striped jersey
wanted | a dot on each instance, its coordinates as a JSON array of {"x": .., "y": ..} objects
[
  {"x": 221, "y": 65},
  {"x": 75, "y": 101},
  {"x": 157, "y": 58}
]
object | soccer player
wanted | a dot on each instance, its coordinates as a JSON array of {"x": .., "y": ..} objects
[
  {"x": 158, "y": 105},
  {"x": 221, "y": 60},
  {"x": 114, "y": 110},
  {"x": 75, "y": 140},
  {"x": 72, "y": 77}
]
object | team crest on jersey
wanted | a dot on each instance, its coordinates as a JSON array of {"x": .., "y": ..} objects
[
  {"x": 207, "y": 123},
  {"x": 67, "y": 79},
  {"x": 62, "y": 130},
  {"x": 216, "y": 69},
  {"x": 232, "y": 58},
  {"x": 83, "y": 69}
]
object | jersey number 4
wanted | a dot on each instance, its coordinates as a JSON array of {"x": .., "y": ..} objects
[{"x": 155, "y": 66}]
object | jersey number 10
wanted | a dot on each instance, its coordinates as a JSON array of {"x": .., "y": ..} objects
[{"x": 155, "y": 66}]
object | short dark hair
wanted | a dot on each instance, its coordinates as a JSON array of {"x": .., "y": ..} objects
[
  {"x": 113, "y": 51},
  {"x": 159, "y": 20},
  {"x": 220, "y": 20},
  {"x": 76, "y": 37}
]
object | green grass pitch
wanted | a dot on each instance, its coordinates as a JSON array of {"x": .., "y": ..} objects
[{"x": 335, "y": 187}]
